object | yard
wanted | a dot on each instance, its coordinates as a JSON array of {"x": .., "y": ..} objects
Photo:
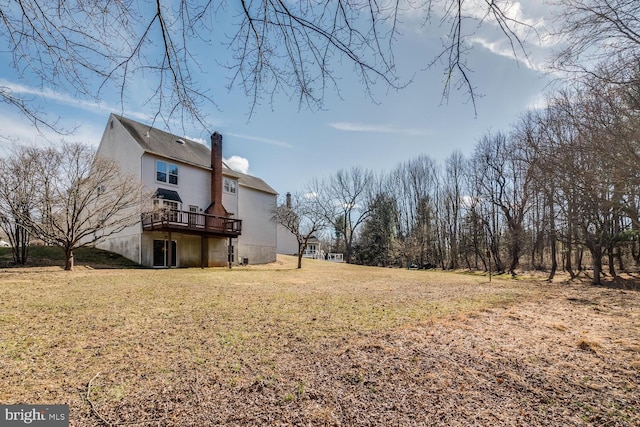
[{"x": 331, "y": 344}]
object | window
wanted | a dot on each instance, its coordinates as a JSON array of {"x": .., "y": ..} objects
[
  {"x": 166, "y": 172},
  {"x": 161, "y": 171},
  {"x": 230, "y": 185},
  {"x": 165, "y": 210},
  {"x": 173, "y": 174},
  {"x": 171, "y": 208}
]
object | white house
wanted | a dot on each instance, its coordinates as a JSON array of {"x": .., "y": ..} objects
[
  {"x": 287, "y": 242},
  {"x": 202, "y": 213},
  {"x": 313, "y": 249}
]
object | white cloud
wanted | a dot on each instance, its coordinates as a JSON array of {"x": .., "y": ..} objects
[
  {"x": 502, "y": 48},
  {"x": 197, "y": 139},
  {"x": 538, "y": 102},
  {"x": 523, "y": 28},
  {"x": 18, "y": 130},
  {"x": 384, "y": 128},
  {"x": 62, "y": 98},
  {"x": 238, "y": 164},
  {"x": 262, "y": 140},
  {"x": 525, "y": 22}
]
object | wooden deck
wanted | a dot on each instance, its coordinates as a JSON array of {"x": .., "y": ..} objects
[{"x": 192, "y": 223}]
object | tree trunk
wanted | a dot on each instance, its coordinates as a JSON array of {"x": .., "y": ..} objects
[
  {"x": 24, "y": 244},
  {"x": 515, "y": 252},
  {"x": 486, "y": 263},
  {"x": 596, "y": 255},
  {"x": 568, "y": 263},
  {"x": 68, "y": 259},
  {"x": 497, "y": 260},
  {"x": 619, "y": 258},
  {"x": 635, "y": 254},
  {"x": 554, "y": 260},
  {"x": 300, "y": 251},
  {"x": 552, "y": 239},
  {"x": 611, "y": 259},
  {"x": 19, "y": 239},
  {"x": 466, "y": 259},
  {"x": 579, "y": 254}
]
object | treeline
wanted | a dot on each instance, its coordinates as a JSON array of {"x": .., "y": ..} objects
[{"x": 559, "y": 190}]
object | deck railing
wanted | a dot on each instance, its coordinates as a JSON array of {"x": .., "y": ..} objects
[{"x": 191, "y": 222}]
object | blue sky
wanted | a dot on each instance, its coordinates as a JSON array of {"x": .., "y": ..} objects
[{"x": 288, "y": 146}]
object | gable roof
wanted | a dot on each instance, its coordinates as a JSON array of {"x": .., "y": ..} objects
[
  {"x": 164, "y": 144},
  {"x": 248, "y": 180},
  {"x": 161, "y": 143}
]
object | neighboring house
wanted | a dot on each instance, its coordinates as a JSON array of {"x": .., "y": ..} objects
[
  {"x": 288, "y": 245},
  {"x": 313, "y": 249},
  {"x": 287, "y": 242},
  {"x": 201, "y": 214}
]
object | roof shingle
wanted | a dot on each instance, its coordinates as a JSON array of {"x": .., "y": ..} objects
[{"x": 164, "y": 144}]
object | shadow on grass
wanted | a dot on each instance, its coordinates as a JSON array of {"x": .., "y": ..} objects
[
  {"x": 626, "y": 282},
  {"x": 49, "y": 256},
  {"x": 623, "y": 281}
]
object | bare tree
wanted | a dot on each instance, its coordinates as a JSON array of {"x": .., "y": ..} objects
[
  {"x": 451, "y": 211},
  {"x": 18, "y": 194},
  {"x": 80, "y": 199},
  {"x": 506, "y": 179},
  {"x": 415, "y": 185},
  {"x": 474, "y": 233},
  {"x": 553, "y": 131},
  {"x": 301, "y": 215},
  {"x": 594, "y": 184},
  {"x": 91, "y": 47},
  {"x": 345, "y": 201},
  {"x": 602, "y": 39}
]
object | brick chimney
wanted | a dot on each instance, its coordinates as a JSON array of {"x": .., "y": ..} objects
[{"x": 216, "y": 208}]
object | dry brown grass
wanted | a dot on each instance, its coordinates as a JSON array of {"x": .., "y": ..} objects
[{"x": 330, "y": 344}]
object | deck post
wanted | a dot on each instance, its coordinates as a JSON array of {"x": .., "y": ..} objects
[
  {"x": 203, "y": 250},
  {"x": 169, "y": 251}
]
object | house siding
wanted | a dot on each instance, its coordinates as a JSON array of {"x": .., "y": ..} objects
[
  {"x": 193, "y": 183},
  {"x": 125, "y": 243},
  {"x": 258, "y": 239},
  {"x": 287, "y": 243},
  {"x": 118, "y": 145},
  {"x": 253, "y": 205}
]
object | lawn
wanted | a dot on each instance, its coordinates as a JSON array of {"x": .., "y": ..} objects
[{"x": 331, "y": 344}]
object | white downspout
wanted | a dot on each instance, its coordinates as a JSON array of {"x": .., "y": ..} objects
[{"x": 141, "y": 230}]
